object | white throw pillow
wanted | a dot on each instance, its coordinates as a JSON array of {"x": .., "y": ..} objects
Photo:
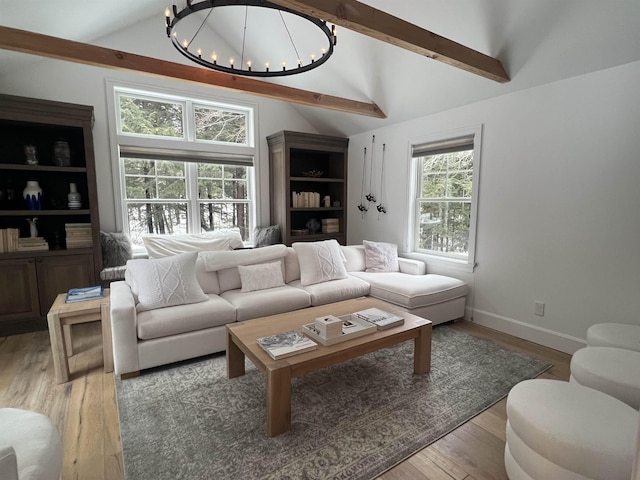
[
  {"x": 380, "y": 256},
  {"x": 159, "y": 246},
  {"x": 261, "y": 276},
  {"x": 320, "y": 261},
  {"x": 165, "y": 282}
]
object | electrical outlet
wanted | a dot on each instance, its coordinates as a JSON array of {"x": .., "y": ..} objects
[{"x": 538, "y": 308}]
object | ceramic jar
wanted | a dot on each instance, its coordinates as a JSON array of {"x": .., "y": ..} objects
[
  {"x": 74, "y": 198},
  {"x": 61, "y": 154},
  {"x": 32, "y": 195}
]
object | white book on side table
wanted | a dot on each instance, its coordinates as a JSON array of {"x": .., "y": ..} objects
[{"x": 380, "y": 318}]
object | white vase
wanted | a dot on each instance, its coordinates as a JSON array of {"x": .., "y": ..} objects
[
  {"x": 74, "y": 197},
  {"x": 32, "y": 195}
]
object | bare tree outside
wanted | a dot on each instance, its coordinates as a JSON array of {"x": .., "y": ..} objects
[
  {"x": 156, "y": 190},
  {"x": 445, "y": 202}
]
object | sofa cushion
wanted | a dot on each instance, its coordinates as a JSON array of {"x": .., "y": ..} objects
[
  {"x": 159, "y": 246},
  {"x": 207, "y": 280},
  {"x": 261, "y": 303},
  {"x": 380, "y": 256},
  {"x": 334, "y": 290},
  {"x": 261, "y": 276},
  {"x": 354, "y": 257},
  {"x": 291, "y": 266},
  {"x": 169, "y": 321},
  {"x": 216, "y": 261},
  {"x": 165, "y": 282},
  {"x": 320, "y": 261},
  {"x": 412, "y": 291}
]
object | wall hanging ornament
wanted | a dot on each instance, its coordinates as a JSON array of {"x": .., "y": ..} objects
[
  {"x": 362, "y": 206},
  {"x": 32, "y": 195},
  {"x": 371, "y": 197},
  {"x": 380, "y": 207}
]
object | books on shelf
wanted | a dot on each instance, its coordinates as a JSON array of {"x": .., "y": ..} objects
[
  {"x": 285, "y": 344},
  {"x": 305, "y": 199},
  {"x": 9, "y": 240},
  {"x": 352, "y": 327},
  {"x": 381, "y": 319},
  {"x": 78, "y": 235},
  {"x": 32, "y": 244},
  {"x": 85, "y": 293}
]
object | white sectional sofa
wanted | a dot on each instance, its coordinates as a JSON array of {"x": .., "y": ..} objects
[{"x": 148, "y": 338}]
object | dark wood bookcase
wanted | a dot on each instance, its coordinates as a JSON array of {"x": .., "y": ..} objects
[
  {"x": 30, "y": 280},
  {"x": 295, "y": 162}
]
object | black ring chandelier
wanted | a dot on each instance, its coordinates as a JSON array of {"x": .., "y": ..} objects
[{"x": 189, "y": 46}]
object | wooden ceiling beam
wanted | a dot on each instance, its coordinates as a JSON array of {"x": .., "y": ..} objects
[
  {"x": 71, "y": 51},
  {"x": 375, "y": 23}
]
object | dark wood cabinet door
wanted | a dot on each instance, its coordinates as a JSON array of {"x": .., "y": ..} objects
[
  {"x": 18, "y": 289},
  {"x": 60, "y": 273}
]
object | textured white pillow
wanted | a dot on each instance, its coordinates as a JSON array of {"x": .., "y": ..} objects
[
  {"x": 165, "y": 282},
  {"x": 380, "y": 256},
  {"x": 320, "y": 261},
  {"x": 159, "y": 246},
  {"x": 261, "y": 276}
]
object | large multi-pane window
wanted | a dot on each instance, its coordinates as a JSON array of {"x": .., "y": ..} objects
[
  {"x": 185, "y": 166},
  {"x": 445, "y": 201}
]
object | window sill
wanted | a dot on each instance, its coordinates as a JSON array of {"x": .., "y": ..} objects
[{"x": 441, "y": 262}]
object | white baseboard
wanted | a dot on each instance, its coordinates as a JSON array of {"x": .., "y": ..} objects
[{"x": 526, "y": 331}]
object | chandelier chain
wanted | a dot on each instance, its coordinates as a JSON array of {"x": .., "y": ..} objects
[{"x": 290, "y": 38}]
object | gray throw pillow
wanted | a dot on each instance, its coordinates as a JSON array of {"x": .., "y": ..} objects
[
  {"x": 263, "y": 236},
  {"x": 116, "y": 249}
]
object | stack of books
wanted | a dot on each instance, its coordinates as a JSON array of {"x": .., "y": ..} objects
[
  {"x": 330, "y": 225},
  {"x": 78, "y": 235},
  {"x": 305, "y": 199},
  {"x": 9, "y": 240},
  {"x": 32, "y": 244},
  {"x": 285, "y": 344},
  {"x": 83, "y": 294},
  {"x": 381, "y": 319}
]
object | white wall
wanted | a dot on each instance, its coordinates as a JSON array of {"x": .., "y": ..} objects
[
  {"x": 559, "y": 203},
  {"x": 86, "y": 85}
]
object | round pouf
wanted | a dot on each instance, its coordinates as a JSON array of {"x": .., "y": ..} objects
[
  {"x": 619, "y": 335},
  {"x": 614, "y": 371},
  {"x": 562, "y": 430},
  {"x": 36, "y": 442}
]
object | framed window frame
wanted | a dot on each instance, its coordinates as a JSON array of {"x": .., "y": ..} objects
[
  {"x": 187, "y": 149},
  {"x": 441, "y": 258}
]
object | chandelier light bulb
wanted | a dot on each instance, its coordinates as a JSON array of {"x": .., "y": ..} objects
[
  {"x": 313, "y": 57},
  {"x": 324, "y": 50},
  {"x": 231, "y": 62},
  {"x": 214, "y": 57},
  {"x": 249, "y": 64},
  {"x": 167, "y": 12},
  {"x": 185, "y": 44},
  {"x": 199, "y": 51}
]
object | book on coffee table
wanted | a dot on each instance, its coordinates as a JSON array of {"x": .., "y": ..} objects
[
  {"x": 285, "y": 344},
  {"x": 380, "y": 318},
  {"x": 352, "y": 327}
]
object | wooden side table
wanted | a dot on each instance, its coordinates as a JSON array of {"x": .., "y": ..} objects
[{"x": 60, "y": 318}]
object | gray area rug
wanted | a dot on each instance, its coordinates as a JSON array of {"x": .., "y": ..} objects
[{"x": 351, "y": 421}]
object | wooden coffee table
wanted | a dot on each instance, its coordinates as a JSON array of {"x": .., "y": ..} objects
[{"x": 242, "y": 336}]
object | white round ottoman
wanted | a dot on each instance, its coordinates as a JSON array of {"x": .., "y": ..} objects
[
  {"x": 619, "y": 335},
  {"x": 35, "y": 442},
  {"x": 614, "y": 371},
  {"x": 560, "y": 430}
]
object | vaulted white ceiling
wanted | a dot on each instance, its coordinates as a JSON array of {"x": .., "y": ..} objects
[{"x": 537, "y": 41}]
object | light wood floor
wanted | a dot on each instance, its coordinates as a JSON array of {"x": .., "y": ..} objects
[{"x": 86, "y": 414}]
